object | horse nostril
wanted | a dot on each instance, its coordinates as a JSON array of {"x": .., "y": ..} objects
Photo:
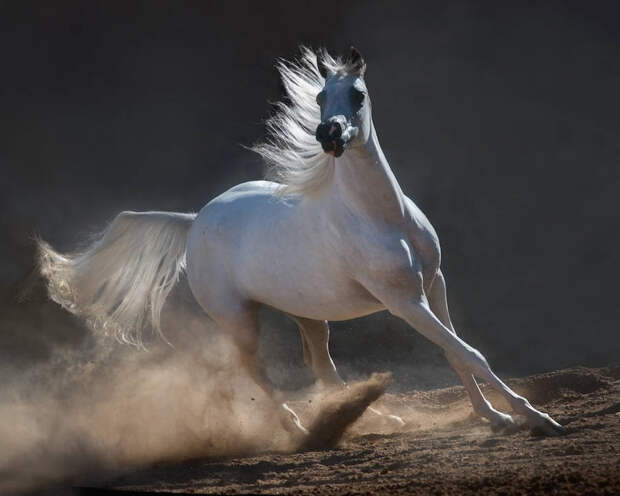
[
  {"x": 322, "y": 132},
  {"x": 330, "y": 135},
  {"x": 329, "y": 131},
  {"x": 335, "y": 130}
]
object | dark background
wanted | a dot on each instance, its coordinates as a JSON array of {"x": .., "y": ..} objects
[{"x": 499, "y": 118}]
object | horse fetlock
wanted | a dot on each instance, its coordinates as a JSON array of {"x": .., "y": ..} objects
[
  {"x": 498, "y": 420},
  {"x": 522, "y": 405},
  {"x": 501, "y": 421}
]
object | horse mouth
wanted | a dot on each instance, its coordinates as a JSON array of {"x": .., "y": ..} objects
[{"x": 334, "y": 147}]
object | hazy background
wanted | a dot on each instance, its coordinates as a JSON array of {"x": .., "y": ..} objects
[{"x": 499, "y": 118}]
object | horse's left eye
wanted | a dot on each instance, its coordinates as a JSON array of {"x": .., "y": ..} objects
[{"x": 358, "y": 96}]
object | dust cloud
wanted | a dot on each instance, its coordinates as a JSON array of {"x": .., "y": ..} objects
[
  {"x": 125, "y": 408},
  {"x": 107, "y": 408}
]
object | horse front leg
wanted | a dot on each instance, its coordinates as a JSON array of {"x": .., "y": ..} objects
[
  {"x": 417, "y": 313},
  {"x": 439, "y": 306}
]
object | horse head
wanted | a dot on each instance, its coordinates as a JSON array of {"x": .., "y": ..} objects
[{"x": 344, "y": 103}]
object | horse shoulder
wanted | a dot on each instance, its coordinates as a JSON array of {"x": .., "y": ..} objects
[
  {"x": 385, "y": 262},
  {"x": 374, "y": 251},
  {"x": 424, "y": 240},
  {"x": 405, "y": 256}
]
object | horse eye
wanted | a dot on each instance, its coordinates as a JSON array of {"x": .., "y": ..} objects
[
  {"x": 358, "y": 96},
  {"x": 320, "y": 98}
]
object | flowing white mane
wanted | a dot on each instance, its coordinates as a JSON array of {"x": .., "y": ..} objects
[{"x": 293, "y": 155}]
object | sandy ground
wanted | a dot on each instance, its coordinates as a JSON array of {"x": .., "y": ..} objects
[{"x": 442, "y": 449}]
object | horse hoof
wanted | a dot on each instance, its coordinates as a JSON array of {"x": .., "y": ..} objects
[
  {"x": 292, "y": 423},
  {"x": 504, "y": 423},
  {"x": 393, "y": 419},
  {"x": 397, "y": 420},
  {"x": 546, "y": 426}
]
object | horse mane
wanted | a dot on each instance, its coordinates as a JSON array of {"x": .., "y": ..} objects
[{"x": 293, "y": 156}]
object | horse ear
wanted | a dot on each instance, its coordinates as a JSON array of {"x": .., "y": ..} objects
[
  {"x": 357, "y": 61},
  {"x": 323, "y": 70}
]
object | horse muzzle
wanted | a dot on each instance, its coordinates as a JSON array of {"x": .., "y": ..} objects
[{"x": 335, "y": 134}]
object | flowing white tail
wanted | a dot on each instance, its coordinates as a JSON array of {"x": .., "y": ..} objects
[{"x": 120, "y": 282}]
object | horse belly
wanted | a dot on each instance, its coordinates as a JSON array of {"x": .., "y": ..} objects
[
  {"x": 297, "y": 274},
  {"x": 315, "y": 297}
]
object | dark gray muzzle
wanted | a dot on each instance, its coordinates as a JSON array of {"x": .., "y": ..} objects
[{"x": 334, "y": 134}]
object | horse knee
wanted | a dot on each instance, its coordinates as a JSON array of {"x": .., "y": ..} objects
[{"x": 475, "y": 362}]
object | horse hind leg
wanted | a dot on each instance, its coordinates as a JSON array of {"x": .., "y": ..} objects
[
  {"x": 241, "y": 323},
  {"x": 288, "y": 418},
  {"x": 315, "y": 343},
  {"x": 439, "y": 305}
]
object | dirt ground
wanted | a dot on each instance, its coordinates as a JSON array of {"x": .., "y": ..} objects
[{"x": 442, "y": 449}]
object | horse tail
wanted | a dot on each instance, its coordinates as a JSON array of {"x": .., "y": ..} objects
[{"x": 120, "y": 282}]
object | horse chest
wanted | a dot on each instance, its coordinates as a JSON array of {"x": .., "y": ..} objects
[{"x": 381, "y": 253}]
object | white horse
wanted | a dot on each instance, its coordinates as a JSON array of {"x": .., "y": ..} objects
[{"x": 333, "y": 239}]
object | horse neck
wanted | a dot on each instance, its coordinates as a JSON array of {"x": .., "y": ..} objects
[{"x": 364, "y": 181}]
